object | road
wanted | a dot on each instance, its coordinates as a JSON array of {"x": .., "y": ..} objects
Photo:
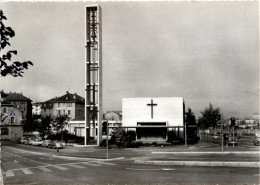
[{"x": 24, "y": 164}]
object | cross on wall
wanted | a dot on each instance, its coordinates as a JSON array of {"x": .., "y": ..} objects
[{"x": 152, "y": 105}]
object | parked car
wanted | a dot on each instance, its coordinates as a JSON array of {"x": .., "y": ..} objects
[
  {"x": 22, "y": 140},
  {"x": 55, "y": 144},
  {"x": 256, "y": 140},
  {"x": 37, "y": 142},
  {"x": 46, "y": 143},
  {"x": 28, "y": 141},
  {"x": 215, "y": 137}
]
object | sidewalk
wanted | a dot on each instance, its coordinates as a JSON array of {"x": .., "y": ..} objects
[{"x": 201, "y": 154}]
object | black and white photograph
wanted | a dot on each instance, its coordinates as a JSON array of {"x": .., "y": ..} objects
[{"x": 129, "y": 92}]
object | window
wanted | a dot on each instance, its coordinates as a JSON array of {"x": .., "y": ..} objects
[
  {"x": 58, "y": 112},
  {"x": 12, "y": 119},
  {"x": 63, "y": 112},
  {"x": 58, "y": 104},
  {"x": 4, "y": 110},
  {"x": 4, "y": 131},
  {"x": 68, "y": 112}
]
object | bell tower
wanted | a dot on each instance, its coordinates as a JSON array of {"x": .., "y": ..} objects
[{"x": 93, "y": 75}]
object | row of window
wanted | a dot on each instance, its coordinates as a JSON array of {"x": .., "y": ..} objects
[
  {"x": 64, "y": 112},
  {"x": 65, "y": 104}
]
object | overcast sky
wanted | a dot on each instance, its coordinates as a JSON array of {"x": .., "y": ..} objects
[{"x": 204, "y": 52}]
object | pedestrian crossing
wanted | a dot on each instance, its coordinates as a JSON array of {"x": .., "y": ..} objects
[{"x": 52, "y": 168}]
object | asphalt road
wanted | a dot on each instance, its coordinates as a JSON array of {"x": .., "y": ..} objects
[{"x": 24, "y": 164}]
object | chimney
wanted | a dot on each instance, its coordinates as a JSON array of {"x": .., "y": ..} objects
[
  {"x": 21, "y": 93},
  {"x": 67, "y": 92}
]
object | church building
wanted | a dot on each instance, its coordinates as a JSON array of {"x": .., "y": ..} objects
[{"x": 157, "y": 119}]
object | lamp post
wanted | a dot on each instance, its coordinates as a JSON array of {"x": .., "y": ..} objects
[{"x": 107, "y": 140}]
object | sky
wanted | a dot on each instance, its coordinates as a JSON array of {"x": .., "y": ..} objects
[{"x": 201, "y": 51}]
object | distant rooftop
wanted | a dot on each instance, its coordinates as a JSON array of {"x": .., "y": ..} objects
[
  {"x": 69, "y": 98},
  {"x": 16, "y": 97}
]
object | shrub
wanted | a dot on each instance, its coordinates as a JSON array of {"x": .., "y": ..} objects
[{"x": 120, "y": 138}]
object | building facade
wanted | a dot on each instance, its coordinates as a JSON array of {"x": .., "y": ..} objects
[
  {"x": 69, "y": 104},
  {"x": 11, "y": 121},
  {"x": 36, "y": 108},
  {"x": 21, "y": 102},
  {"x": 154, "y": 119}
]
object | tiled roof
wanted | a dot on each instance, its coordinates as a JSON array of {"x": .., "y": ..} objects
[
  {"x": 70, "y": 98},
  {"x": 16, "y": 97}
]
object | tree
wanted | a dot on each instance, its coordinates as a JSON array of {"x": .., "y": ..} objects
[
  {"x": 15, "y": 68},
  {"x": 210, "y": 117},
  {"x": 59, "y": 123},
  {"x": 44, "y": 126},
  {"x": 189, "y": 117},
  {"x": 31, "y": 124}
]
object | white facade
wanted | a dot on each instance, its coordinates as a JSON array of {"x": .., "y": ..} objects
[
  {"x": 36, "y": 108},
  {"x": 77, "y": 128},
  {"x": 12, "y": 128},
  {"x": 167, "y": 109}
]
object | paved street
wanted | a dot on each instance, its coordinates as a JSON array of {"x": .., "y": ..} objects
[{"x": 23, "y": 164}]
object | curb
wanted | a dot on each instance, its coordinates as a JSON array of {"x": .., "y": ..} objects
[
  {"x": 1, "y": 177},
  {"x": 235, "y": 152},
  {"x": 84, "y": 158},
  {"x": 202, "y": 163}
]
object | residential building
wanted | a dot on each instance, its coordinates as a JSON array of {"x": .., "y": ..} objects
[
  {"x": 69, "y": 104},
  {"x": 21, "y": 102},
  {"x": 36, "y": 108},
  {"x": 111, "y": 119},
  {"x": 11, "y": 121},
  {"x": 47, "y": 107}
]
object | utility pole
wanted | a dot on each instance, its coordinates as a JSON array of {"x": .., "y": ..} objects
[
  {"x": 185, "y": 133},
  {"x": 222, "y": 137},
  {"x": 107, "y": 140}
]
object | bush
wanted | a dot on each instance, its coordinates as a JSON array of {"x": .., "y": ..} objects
[
  {"x": 120, "y": 138},
  {"x": 66, "y": 137},
  {"x": 136, "y": 144}
]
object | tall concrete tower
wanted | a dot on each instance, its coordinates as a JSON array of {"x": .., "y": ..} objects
[{"x": 93, "y": 74}]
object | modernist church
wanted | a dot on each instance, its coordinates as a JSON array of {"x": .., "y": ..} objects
[{"x": 154, "y": 119}]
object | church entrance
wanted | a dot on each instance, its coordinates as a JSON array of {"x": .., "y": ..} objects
[{"x": 152, "y": 131}]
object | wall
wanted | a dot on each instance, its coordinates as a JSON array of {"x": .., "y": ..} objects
[
  {"x": 14, "y": 130},
  {"x": 169, "y": 110}
]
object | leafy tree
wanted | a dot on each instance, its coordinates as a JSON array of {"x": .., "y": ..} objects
[
  {"x": 189, "y": 117},
  {"x": 210, "y": 117},
  {"x": 15, "y": 68},
  {"x": 44, "y": 126},
  {"x": 31, "y": 124},
  {"x": 191, "y": 131},
  {"x": 59, "y": 123}
]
